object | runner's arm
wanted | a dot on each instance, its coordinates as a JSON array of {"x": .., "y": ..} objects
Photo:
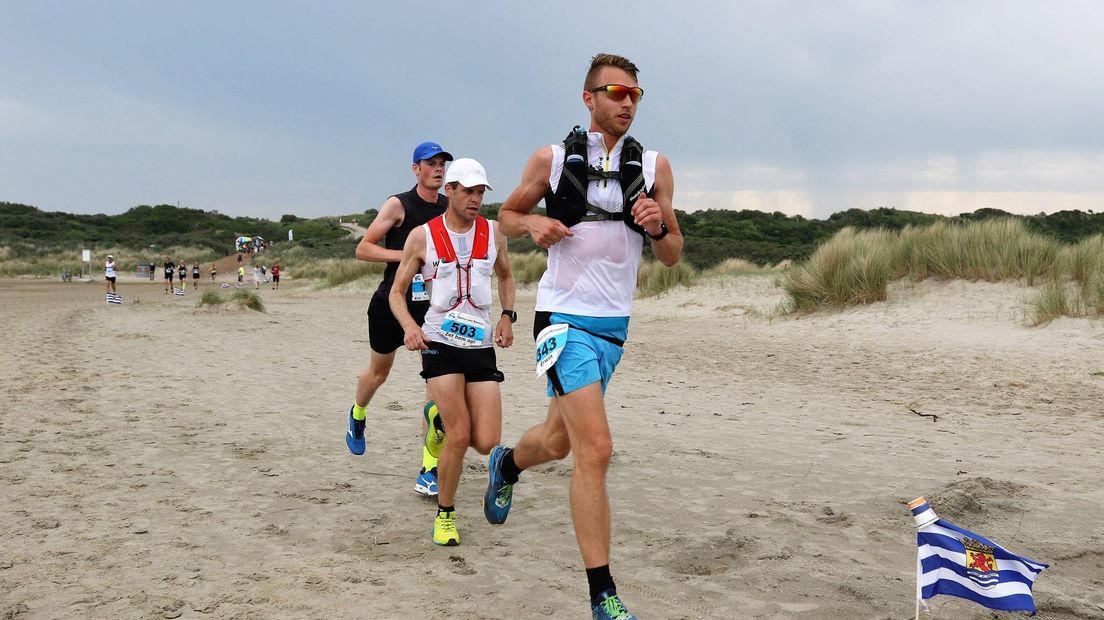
[
  {"x": 516, "y": 215},
  {"x": 504, "y": 330},
  {"x": 390, "y": 215},
  {"x": 651, "y": 212},
  {"x": 413, "y": 251}
]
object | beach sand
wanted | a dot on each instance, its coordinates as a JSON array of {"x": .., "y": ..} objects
[{"x": 162, "y": 461}]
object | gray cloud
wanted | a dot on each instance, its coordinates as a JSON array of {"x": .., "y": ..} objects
[{"x": 275, "y": 107}]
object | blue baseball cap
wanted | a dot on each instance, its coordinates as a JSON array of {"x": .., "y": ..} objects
[{"x": 428, "y": 150}]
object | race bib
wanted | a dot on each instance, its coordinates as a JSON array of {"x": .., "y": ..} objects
[
  {"x": 418, "y": 289},
  {"x": 550, "y": 343},
  {"x": 463, "y": 330}
]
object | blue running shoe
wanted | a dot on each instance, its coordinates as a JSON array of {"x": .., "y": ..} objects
[
  {"x": 611, "y": 608},
  {"x": 500, "y": 494},
  {"x": 354, "y": 437},
  {"x": 426, "y": 484}
]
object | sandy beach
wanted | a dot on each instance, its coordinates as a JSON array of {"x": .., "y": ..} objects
[{"x": 163, "y": 461}]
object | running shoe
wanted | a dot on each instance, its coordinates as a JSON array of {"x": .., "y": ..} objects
[
  {"x": 426, "y": 484},
  {"x": 435, "y": 429},
  {"x": 611, "y": 608},
  {"x": 444, "y": 530},
  {"x": 500, "y": 494},
  {"x": 354, "y": 437}
]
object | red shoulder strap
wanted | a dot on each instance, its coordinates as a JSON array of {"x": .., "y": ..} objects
[
  {"x": 482, "y": 238},
  {"x": 441, "y": 242}
]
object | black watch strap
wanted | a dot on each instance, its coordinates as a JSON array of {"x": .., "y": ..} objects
[
  {"x": 511, "y": 314},
  {"x": 663, "y": 231}
]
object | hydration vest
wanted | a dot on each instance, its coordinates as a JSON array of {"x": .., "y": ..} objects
[
  {"x": 568, "y": 203},
  {"x": 446, "y": 255}
]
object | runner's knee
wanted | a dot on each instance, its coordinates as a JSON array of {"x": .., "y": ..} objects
[{"x": 595, "y": 453}]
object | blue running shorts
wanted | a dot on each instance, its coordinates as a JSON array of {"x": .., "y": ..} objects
[{"x": 593, "y": 350}]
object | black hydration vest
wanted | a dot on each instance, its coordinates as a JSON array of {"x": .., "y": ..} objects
[
  {"x": 415, "y": 213},
  {"x": 568, "y": 203}
]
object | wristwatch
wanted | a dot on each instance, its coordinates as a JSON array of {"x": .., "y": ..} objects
[
  {"x": 662, "y": 232},
  {"x": 511, "y": 314}
]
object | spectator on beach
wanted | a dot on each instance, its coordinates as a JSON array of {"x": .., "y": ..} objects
[
  {"x": 109, "y": 274},
  {"x": 152, "y": 268},
  {"x": 256, "y": 276},
  {"x": 241, "y": 274},
  {"x": 213, "y": 272},
  {"x": 276, "y": 276},
  {"x": 606, "y": 197}
]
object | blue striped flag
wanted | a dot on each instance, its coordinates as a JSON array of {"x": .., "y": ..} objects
[{"x": 958, "y": 562}]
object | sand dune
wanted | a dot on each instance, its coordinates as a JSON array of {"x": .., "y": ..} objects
[{"x": 159, "y": 461}]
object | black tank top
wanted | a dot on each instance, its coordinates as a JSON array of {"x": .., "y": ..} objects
[{"x": 415, "y": 213}]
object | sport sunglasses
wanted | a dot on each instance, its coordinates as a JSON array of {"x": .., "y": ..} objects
[{"x": 617, "y": 92}]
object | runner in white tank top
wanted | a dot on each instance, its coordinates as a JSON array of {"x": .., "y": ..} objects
[
  {"x": 455, "y": 254},
  {"x": 583, "y": 305}
]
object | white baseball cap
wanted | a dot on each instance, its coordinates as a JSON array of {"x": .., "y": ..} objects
[{"x": 467, "y": 172}]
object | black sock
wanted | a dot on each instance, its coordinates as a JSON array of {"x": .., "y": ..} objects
[
  {"x": 600, "y": 583},
  {"x": 510, "y": 470},
  {"x": 441, "y": 509}
]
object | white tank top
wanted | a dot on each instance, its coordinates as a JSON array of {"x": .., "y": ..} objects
[
  {"x": 441, "y": 282},
  {"x": 593, "y": 272},
  {"x": 109, "y": 269}
]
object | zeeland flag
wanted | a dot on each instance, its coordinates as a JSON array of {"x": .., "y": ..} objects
[{"x": 957, "y": 562}]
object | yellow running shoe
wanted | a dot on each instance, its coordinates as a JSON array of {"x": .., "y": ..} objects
[
  {"x": 444, "y": 530},
  {"x": 435, "y": 429}
]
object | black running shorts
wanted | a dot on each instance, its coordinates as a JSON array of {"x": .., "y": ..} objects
[
  {"x": 475, "y": 364},
  {"x": 385, "y": 335}
]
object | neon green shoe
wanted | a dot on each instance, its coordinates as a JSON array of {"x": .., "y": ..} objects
[
  {"x": 444, "y": 530},
  {"x": 435, "y": 429}
]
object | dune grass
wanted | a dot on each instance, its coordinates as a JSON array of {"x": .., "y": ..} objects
[
  {"x": 30, "y": 260},
  {"x": 528, "y": 267},
  {"x": 211, "y": 298},
  {"x": 248, "y": 299},
  {"x": 855, "y": 267}
]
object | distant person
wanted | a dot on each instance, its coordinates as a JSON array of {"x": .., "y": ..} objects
[
  {"x": 213, "y": 272},
  {"x": 170, "y": 269},
  {"x": 607, "y": 197},
  {"x": 276, "y": 276},
  {"x": 455, "y": 254},
  {"x": 109, "y": 273},
  {"x": 239, "y": 257},
  {"x": 152, "y": 268},
  {"x": 256, "y": 276},
  {"x": 182, "y": 269},
  {"x": 264, "y": 272},
  {"x": 400, "y": 214},
  {"x": 241, "y": 274},
  {"x": 195, "y": 276}
]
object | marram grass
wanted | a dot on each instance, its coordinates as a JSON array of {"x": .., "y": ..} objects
[{"x": 855, "y": 267}]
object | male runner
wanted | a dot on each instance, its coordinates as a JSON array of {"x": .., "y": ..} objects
[
  {"x": 584, "y": 298},
  {"x": 170, "y": 269},
  {"x": 399, "y": 215},
  {"x": 195, "y": 276},
  {"x": 455, "y": 254},
  {"x": 182, "y": 270}
]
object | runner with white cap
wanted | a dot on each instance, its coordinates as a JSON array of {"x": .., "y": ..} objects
[{"x": 455, "y": 254}]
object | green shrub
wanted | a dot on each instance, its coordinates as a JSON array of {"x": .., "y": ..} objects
[
  {"x": 249, "y": 299},
  {"x": 211, "y": 298}
]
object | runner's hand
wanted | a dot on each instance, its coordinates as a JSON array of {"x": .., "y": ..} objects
[
  {"x": 545, "y": 231},
  {"x": 647, "y": 214},
  {"x": 416, "y": 340},
  {"x": 504, "y": 332}
]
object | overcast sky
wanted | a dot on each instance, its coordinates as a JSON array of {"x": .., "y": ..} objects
[{"x": 269, "y": 107}]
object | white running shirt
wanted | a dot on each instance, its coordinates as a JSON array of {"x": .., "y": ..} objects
[
  {"x": 593, "y": 272},
  {"x": 441, "y": 284}
]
